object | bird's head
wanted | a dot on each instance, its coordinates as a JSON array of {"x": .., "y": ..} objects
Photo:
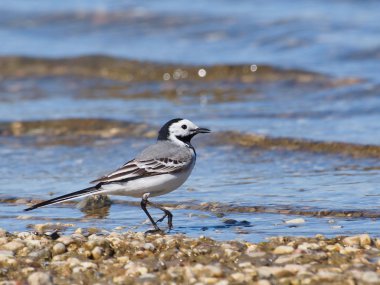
[{"x": 180, "y": 131}]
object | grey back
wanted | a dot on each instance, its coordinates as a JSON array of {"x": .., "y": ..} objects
[{"x": 166, "y": 149}]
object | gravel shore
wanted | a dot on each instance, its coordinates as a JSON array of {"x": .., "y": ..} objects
[{"x": 94, "y": 257}]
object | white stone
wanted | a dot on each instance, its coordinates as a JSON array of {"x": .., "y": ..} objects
[
  {"x": 59, "y": 248},
  {"x": 352, "y": 241},
  {"x": 39, "y": 278},
  {"x": 365, "y": 240},
  {"x": 370, "y": 277},
  {"x": 149, "y": 246},
  {"x": 308, "y": 246},
  {"x": 283, "y": 249},
  {"x": 13, "y": 245},
  {"x": 97, "y": 252},
  {"x": 66, "y": 240},
  {"x": 295, "y": 221},
  {"x": 263, "y": 282}
]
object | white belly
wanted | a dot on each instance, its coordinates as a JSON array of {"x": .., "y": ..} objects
[{"x": 155, "y": 185}]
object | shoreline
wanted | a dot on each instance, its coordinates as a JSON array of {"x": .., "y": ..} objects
[{"x": 92, "y": 257}]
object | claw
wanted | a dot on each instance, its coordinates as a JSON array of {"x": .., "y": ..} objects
[
  {"x": 163, "y": 218},
  {"x": 155, "y": 231}
]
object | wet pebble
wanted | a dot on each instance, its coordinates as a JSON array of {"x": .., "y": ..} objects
[
  {"x": 13, "y": 245},
  {"x": 66, "y": 240},
  {"x": 97, "y": 252},
  {"x": 351, "y": 241},
  {"x": 295, "y": 221},
  {"x": 283, "y": 249},
  {"x": 135, "y": 258},
  {"x": 149, "y": 246},
  {"x": 59, "y": 248},
  {"x": 39, "y": 278}
]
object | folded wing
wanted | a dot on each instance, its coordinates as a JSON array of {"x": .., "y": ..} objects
[{"x": 143, "y": 168}]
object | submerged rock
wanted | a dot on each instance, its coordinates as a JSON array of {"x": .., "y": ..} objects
[{"x": 94, "y": 203}]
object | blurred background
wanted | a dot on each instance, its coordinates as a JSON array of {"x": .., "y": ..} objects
[{"x": 290, "y": 89}]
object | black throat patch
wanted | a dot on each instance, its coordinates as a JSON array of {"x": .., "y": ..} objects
[{"x": 186, "y": 139}]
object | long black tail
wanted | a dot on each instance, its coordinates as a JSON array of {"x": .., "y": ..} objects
[{"x": 80, "y": 193}]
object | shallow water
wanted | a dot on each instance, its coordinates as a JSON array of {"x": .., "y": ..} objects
[
  {"x": 44, "y": 154},
  {"x": 227, "y": 175}
]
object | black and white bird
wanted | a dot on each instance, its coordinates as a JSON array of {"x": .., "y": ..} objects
[{"x": 157, "y": 170}]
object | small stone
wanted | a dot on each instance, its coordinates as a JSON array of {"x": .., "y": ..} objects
[
  {"x": 59, "y": 248},
  {"x": 251, "y": 247},
  {"x": 148, "y": 276},
  {"x": 5, "y": 255},
  {"x": 3, "y": 240},
  {"x": 222, "y": 282},
  {"x": 245, "y": 264},
  {"x": 377, "y": 243},
  {"x": 142, "y": 270},
  {"x": 238, "y": 277},
  {"x": 78, "y": 237},
  {"x": 97, "y": 252},
  {"x": 119, "y": 279},
  {"x": 149, "y": 246},
  {"x": 256, "y": 254},
  {"x": 263, "y": 282},
  {"x": 34, "y": 244},
  {"x": 27, "y": 270},
  {"x": 349, "y": 249},
  {"x": 268, "y": 271},
  {"x": 3, "y": 233},
  {"x": 283, "y": 249},
  {"x": 40, "y": 278},
  {"x": 209, "y": 280},
  {"x": 327, "y": 275},
  {"x": 284, "y": 259},
  {"x": 334, "y": 247},
  {"x": 78, "y": 231},
  {"x": 41, "y": 253},
  {"x": 214, "y": 270},
  {"x": 295, "y": 221},
  {"x": 66, "y": 240},
  {"x": 352, "y": 241},
  {"x": 13, "y": 245},
  {"x": 308, "y": 246},
  {"x": 295, "y": 268},
  {"x": 370, "y": 277},
  {"x": 365, "y": 240},
  {"x": 23, "y": 235},
  {"x": 72, "y": 262},
  {"x": 11, "y": 262},
  {"x": 88, "y": 265}
]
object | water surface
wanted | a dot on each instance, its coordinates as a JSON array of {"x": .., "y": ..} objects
[{"x": 292, "y": 74}]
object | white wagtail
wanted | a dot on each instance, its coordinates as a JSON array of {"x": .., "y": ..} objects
[{"x": 157, "y": 170}]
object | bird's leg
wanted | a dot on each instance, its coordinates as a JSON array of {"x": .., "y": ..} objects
[
  {"x": 144, "y": 202},
  {"x": 167, "y": 213}
]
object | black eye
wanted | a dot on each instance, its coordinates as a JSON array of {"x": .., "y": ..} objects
[{"x": 184, "y": 127}]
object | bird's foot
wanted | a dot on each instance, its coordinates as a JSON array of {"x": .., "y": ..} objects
[
  {"x": 161, "y": 219},
  {"x": 170, "y": 225},
  {"x": 155, "y": 231}
]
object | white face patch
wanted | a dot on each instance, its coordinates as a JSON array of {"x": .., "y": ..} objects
[{"x": 181, "y": 128}]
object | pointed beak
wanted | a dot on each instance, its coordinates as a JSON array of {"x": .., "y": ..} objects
[{"x": 202, "y": 131}]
